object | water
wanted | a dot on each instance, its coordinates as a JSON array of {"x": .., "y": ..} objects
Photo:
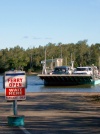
[{"x": 35, "y": 84}]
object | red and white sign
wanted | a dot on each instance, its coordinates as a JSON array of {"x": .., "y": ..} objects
[
  {"x": 15, "y": 85},
  {"x": 15, "y": 93}
]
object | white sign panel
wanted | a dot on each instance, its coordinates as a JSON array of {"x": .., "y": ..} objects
[{"x": 15, "y": 79}]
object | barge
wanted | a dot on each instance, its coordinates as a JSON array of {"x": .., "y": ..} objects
[
  {"x": 68, "y": 75},
  {"x": 61, "y": 76},
  {"x": 65, "y": 80}
]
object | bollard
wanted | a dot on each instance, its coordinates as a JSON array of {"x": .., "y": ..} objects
[{"x": 17, "y": 120}]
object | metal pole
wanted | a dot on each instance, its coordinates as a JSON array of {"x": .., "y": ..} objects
[
  {"x": 45, "y": 58},
  {"x": 61, "y": 51},
  {"x": 45, "y": 63},
  {"x": 66, "y": 61},
  {"x": 71, "y": 57},
  {"x": 52, "y": 63},
  {"x": 93, "y": 72},
  {"x": 15, "y": 107}
]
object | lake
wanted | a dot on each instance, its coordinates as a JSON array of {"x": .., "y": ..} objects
[{"x": 35, "y": 84}]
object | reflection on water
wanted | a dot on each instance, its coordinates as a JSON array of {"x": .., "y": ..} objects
[{"x": 35, "y": 84}]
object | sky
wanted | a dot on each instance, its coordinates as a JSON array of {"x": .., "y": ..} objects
[{"x": 34, "y": 23}]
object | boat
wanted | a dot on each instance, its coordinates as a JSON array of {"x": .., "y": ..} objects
[
  {"x": 86, "y": 75},
  {"x": 68, "y": 75}
]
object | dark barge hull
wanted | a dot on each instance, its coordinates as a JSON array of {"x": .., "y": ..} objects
[{"x": 64, "y": 80}]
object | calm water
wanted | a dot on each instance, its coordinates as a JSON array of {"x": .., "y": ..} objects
[{"x": 35, "y": 84}]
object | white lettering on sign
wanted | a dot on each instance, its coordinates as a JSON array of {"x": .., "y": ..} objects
[
  {"x": 15, "y": 91},
  {"x": 15, "y": 82}
]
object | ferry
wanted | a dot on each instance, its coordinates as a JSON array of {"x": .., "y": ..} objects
[{"x": 65, "y": 76}]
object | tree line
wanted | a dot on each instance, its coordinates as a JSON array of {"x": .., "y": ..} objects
[{"x": 30, "y": 59}]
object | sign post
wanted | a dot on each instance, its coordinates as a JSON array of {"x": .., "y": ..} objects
[
  {"x": 15, "y": 89},
  {"x": 15, "y": 107}
]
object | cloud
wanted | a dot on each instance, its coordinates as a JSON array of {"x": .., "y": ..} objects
[
  {"x": 25, "y": 37},
  {"x": 36, "y": 38},
  {"x": 48, "y": 38}
]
